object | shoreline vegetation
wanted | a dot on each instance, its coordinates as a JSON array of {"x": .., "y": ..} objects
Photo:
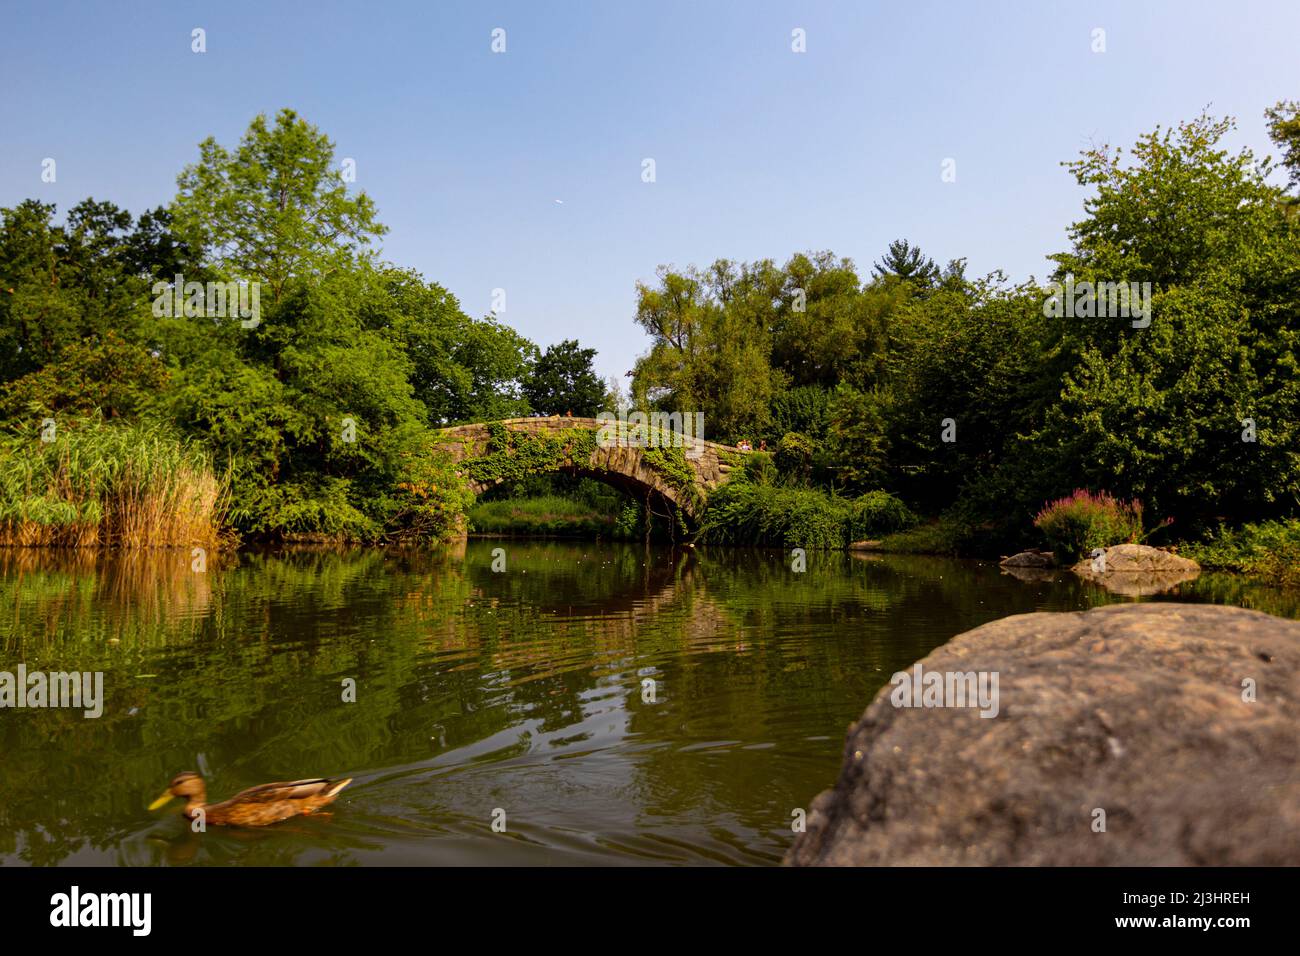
[
  {"x": 132, "y": 486},
  {"x": 912, "y": 406}
]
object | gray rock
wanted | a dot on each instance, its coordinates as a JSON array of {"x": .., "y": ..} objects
[
  {"x": 1029, "y": 559},
  {"x": 1136, "y": 710},
  {"x": 1139, "y": 558},
  {"x": 865, "y": 546},
  {"x": 1136, "y": 570}
]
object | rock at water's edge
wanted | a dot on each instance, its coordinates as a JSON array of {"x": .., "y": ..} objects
[
  {"x": 1029, "y": 559},
  {"x": 1135, "y": 570},
  {"x": 1139, "y": 558},
  {"x": 1135, "y": 710},
  {"x": 865, "y": 546}
]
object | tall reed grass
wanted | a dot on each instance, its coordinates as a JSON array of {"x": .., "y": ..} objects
[{"x": 108, "y": 485}]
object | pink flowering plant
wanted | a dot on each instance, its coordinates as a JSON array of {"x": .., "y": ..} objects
[{"x": 1074, "y": 526}]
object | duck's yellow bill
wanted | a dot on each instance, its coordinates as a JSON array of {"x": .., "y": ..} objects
[{"x": 161, "y": 800}]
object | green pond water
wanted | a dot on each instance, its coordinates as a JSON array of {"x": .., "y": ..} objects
[{"x": 477, "y": 692}]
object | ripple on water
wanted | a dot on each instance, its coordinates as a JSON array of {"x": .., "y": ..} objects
[{"x": 611, "y": 705}]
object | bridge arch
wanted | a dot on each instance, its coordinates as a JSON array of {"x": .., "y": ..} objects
[{"x": 490, "y": 453}]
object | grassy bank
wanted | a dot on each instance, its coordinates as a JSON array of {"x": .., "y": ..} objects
[
  {"x": 107, "y": 485},
  {"x": 943, "y": 537},
  {"x": 549, "y": 515}
]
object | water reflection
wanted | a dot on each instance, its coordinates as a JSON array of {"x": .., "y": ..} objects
[{"x": 477, "y": 692}]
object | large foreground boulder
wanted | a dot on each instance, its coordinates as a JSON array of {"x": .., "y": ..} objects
[{"x": 1136, "y": 711}]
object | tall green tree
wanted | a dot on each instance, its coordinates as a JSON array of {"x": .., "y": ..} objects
[
  {"x": 275, "y": 208},
  {"x": 1198, "y": 414},
  {"x": 906, "y": 262},
  {"x": 314, "y": 405},
  {"x": 1283, "y": 120},
  {"x": 462, "y": 369},
  {"x": 563, "y": 380},
  {"x": 65, "y": 283},
  {"x": 711, "y": 344}
]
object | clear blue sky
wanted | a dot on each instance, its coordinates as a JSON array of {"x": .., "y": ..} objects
[{"x": 760, "y": 152}]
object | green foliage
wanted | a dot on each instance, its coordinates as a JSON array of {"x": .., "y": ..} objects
[
  {"x": 689, "y": 319},
  {"x": 1284, "y": 129},
  {"x": 906, "y": 262},
  {"x": 1074, "y": 526},
  {"x": 61, "y": 285},
  {"x": 669, "y": 461},
  {"x": 630, "y": 523},
  {"x": 804, "y": 409},
  {"x": 1269, "y": 550},
  {"x": 758, "y": 468},
  {"x": 117, "y": 378},
  {"x": 563, "y": 381},
  {"x": 512, "y": 455},
  {"x": 1197, "y": 414},
  {"x": 557, "y": 504},
  {"x": 275, "y": 209},
  {"x": 1162, "y": 412},
  {"x": 946, "y": 535},
  {"x": 749, "y": 512},
  {"x": 461, "y": 369},
  {"x": 323, "y": 411},
  {"x": 878, "y": 512},
  {"x": 979, "y": 357},
  {"x": 793, "y": 457},
  {"x": 1184, "y": 206},
  {"x": 548, "y": 515},
  {"x": 430, "y": 499}
]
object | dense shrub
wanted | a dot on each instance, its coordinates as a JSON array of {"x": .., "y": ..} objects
[
  {"x": 802, "y": 409},
  {"x": 793, "y": 457},
  {"x": 1270, "y": 550},
  {"x": 1076, "y": 525},
  {"x": 745, "y": 513},
  {"x": 878, "y": 512},
  {"x": 758, "y": 469},
  {"x": 944, "y": 536}
]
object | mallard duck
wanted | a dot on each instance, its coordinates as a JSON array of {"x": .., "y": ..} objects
[{"x": 254, "y": 807}]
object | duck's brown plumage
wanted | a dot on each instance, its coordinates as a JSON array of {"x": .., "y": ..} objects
[{"x": 256, "y": 806}]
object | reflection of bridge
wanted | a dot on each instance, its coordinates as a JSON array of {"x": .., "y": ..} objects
[{"x": 489, "y": 453}]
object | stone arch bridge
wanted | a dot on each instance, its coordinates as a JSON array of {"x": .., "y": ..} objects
[{"x": 668, "y": 470}]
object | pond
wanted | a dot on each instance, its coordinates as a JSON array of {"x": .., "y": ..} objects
[{"x": 606, "y": 703}]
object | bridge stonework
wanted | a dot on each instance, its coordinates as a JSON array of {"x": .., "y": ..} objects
[{"x": 568, "y": 444}]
